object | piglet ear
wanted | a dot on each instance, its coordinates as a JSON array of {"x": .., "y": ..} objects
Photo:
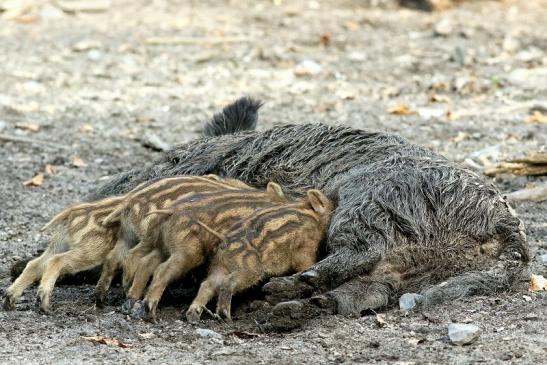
[
  {"x": 275, "y": 191},
  {"x": 319, "y": 202}
]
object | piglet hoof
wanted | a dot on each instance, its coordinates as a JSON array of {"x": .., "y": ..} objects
[
  {"x": 127, "y": 306},
  {"x": 42, "y": 306},
  {"x": 100, "y": 299},
  {"x": 326, "y": 303},
  {"x": 286, "y": 288},
  {"x": 223, "y": 315},
  {"x": 149, "y": 313},
  {"x": 193, "y": 314},
  {"x": 305, "y": 309},
  {"x": 9, "y": 303}
]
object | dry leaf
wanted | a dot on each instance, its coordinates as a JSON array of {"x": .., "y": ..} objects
[
  {"x": 33, "y": 127},
  {"x": 536, "y": 117},
  {"x": 400, "y": 109},
  {"x": 440, "y": 5},
  {"x": 76, "y": 6},
  {"x": 440, "y": 86},
  {"x": 537, "y": 283},
  {"x": 78, "y": 162},
  {"x": 35, "y": 181},
  {"x": 87, "y": 128},
  {"x": 26, "y": 108},
  {"x": 103, "y": 340},
  {"x": 292, "y": 11},
  {"x": 21, "y": 11},
  {"x": 381, "y": 320},
  {"x": 50, "y": 169},
  {"x": 351, "y": 25},
  {"x": 325, "y": 38},
  {"x": 439, "y": 98},
  {"x": 460, "y": 137},
  {"x": 450, "y": 115}
]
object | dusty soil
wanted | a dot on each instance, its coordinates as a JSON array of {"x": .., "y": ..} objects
[{"x": 94, "y": 84}]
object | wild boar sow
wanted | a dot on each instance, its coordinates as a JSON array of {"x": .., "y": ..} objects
[{"x": 272, "y": 242}]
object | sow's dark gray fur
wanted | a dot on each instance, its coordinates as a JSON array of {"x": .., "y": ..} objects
[{"x": 406, "y": 217}]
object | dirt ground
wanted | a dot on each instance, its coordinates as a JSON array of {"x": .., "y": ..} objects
[{"x": 94, "y": 85}]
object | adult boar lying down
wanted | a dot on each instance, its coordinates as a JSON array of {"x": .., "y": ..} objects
[{"x": 407, "y": 219}]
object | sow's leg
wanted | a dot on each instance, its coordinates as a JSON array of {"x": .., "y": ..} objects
[{"x": 355, "y": 246}]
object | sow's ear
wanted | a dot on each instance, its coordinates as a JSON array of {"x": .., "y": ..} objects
[
  {"x": 275, "y": 191},
  {"x": 319, "y": 202}
]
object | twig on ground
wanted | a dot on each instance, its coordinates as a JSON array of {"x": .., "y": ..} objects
[
  {"x": 5, "y": 137},
  {"x": 536, "y": 194},
  {"x": 83, "y": 5},
  {"x": 173, "y": 41}
]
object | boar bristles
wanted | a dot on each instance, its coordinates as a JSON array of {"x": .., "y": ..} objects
[
  {"x": 113, "y": 217},
  {"x": 160, "y": 211},
  {"x": 56, "y": 219},
  {"x": 210, "y": 230}
]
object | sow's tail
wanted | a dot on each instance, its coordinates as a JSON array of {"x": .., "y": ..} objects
[
  {"x": 510, "y": 269},
  {"x": 239, "y": 116}
]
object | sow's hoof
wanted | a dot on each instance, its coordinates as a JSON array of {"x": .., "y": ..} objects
[
  {"x": 286, "y": 288},
  {"x": 305, "y": 309},
  {"x": 288, "y": 316}
]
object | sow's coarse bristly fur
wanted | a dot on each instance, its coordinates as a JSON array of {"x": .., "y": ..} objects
[
  {"x": 394, "y": 199},
  {"x": 274, "y": 241},
  {"x": 135, "y": 226},
  {"x": 238, "y": 116},
  {"x": 184, "y": 246}
]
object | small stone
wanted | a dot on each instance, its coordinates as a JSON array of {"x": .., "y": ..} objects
[
  {"x": 510, "y": 44},
  {"x": 357, "y": 56},
  {"x": 258, "y": 305},
  {"x": 463, "y": 334},
  {"x": 86, "y": 45},
  {"x": 154, "y": 142},
  {"x": 444, "y": 27},
  {"x": 3, "y": 125},
  {"x": 50, "y": 11},
  {"x": 307, "y": 68},
  {"x": 147, "y": 335},
  {"x": 490, "y": 153},
  {"x": 94, "y": 55},
  {"x": 204, "y": 332},
  {"x": 542, "y": 259},
  {"x": 533, "y": 78},
  {"x": 431, "y": 113},
  {"x": 409, "y": 301},
  {"x": 529, "y": 55},
  {"x": 527, "y": 298}
]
